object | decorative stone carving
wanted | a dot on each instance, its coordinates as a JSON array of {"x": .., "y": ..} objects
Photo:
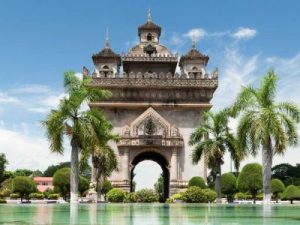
[{"x": 150, "y": 128}]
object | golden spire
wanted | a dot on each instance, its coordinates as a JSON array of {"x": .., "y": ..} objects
[
  {"x": 149, "y": 18},
  {"x": 107, "y": 39},
  {"x": 193, "y": 42}
]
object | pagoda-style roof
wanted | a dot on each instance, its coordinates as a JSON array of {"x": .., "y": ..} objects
[
  {"x": 149, "y": 26},
  {"x": 107, "y": 54},
  {"x": 194, "y": 54}
]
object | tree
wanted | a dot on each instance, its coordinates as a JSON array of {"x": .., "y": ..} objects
[
  {"x": 104, "y": 159},
  {"x": 277, "y": 187},
  {"x": 82, "y": 127},
  {"x": 61, "y": 183},
  {"x": 50, "y": 171},
  {"x": 22, "y": 172},
  {"x": 211, "y": 139},
  {"x": 197, "y": 182},
  {"x": 265, "y": 123},
  {"x": 24, "y": 186},
  {"x": 287, "y": 173},
  {"x": 228, "y": 185},
  {"x": 250, "y": 179},
  {"x": 83, "y": 185},
  {"x": 3, "y": 163},
  {"x": 291, "y": 193},
  {"x": 106, "y": 187},
  {"x": 159, "y": 185}
]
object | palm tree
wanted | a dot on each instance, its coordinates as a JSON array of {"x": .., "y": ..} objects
[
  {"x": 266, "y": 124},
  {"x": 211, "y": 139},
  {"x": 83, "y": 127}
]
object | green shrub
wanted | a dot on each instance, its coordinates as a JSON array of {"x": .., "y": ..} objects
[
  {"x": 228, "y": 185},
  {"x": 260, "y": 196},
  {"x": 277, "y": 187},
  {"x": 170, "y": 200},
  {"x": 291, "y": 193},
  {"x": 250, "y": 179},
  {"x": 36, "y": 196},
  {"x": 177, "y": 196},
  {"x": 83, "y": 185},
  {"x": 197, "y": 182},
  {"x": 131, "y": 197},
  {"x": 242, "y": 196},
  {"x": 24, "y": 186},
  {"x": 106, "y": 187},
  {"x": 147, "y": 195},
  {"x": 116, "y": 195},
  {"x": 197, "y": 195},
  {"x": 14, "y": 196},
  {"x": 2, "y": 201},
  {"x": 5, "y": 193},
  {"x": 53, "y": 196},
  {"x": 61, "y": 182}
]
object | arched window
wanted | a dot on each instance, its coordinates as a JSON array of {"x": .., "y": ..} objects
[
  {"x": 194, "y": 68},
  {"x": 149, "y": 37}
]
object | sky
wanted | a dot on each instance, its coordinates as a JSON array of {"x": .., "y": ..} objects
[{"x": 42, "y": 39}]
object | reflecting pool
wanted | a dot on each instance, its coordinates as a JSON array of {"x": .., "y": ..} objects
[{"x": 160, "y": 214}]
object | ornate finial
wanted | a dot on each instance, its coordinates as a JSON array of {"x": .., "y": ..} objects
[
  {"x": 193, "y": 42},
  {"x": 149, "y": 18},
  {"x": 107, "y": 39}
]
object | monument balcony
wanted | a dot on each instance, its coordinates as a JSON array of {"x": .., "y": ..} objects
[{"x": 153, "y": 80}]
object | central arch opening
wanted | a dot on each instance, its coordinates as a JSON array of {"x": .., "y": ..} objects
[{"x": 161, "y": 161}]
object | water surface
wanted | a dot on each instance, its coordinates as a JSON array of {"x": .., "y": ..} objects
[{"x": 149, "y": 214}]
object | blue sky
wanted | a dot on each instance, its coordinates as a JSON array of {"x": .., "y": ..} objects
[{"x": 41, "y": 39}]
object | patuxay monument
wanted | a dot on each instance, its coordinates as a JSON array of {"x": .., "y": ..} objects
[{"x": 153, "y": 108}]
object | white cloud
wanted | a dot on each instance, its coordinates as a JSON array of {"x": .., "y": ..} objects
[
  {"x": 24, "y": 150},
  {"x": 197, "y": 33},
  {"x": 244, "y": 33},
  {"x": 31, "y": 89},
  {"x": 4, "y": 98},
  {"x": 236, "y": 70}
]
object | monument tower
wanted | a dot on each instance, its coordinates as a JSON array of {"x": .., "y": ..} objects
[{"x": 153, "y": 108}]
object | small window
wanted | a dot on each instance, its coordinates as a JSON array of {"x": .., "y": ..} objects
[
  {"x": 194, "y": 68},
  {"x": 149, "y": 37}
]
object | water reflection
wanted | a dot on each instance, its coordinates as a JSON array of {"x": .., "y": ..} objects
[
  {"x": 73, "y": 214},
  {"x": 43, "y": 215},
  {"x": 154, "y": 214}
]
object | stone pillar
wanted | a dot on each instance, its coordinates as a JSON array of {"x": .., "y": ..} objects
[
  {"x": 174, "y": 167},
  {"x": 125, "y": 164}
]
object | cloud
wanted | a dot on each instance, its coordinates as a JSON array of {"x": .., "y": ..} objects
[
  {"x": 4, "y": 98},
  {"x": 25, "y": 150},
  {"x": 236, "y": 70},
  {"x": 244, "y": 33},
  {"x": 31, "y": 89},
  {"x": 197, "y": 33}
]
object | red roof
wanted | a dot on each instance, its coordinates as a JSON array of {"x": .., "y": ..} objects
[{"x": 43, "y": 179}]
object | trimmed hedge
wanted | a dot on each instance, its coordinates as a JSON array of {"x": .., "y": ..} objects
[
  {"x": 291, "y": 193},
  {"x": 147, "y": 195},
  {"x": 2, "y": 201},
  {"x": 116, "y": 195},
  {"x": 131, "y": 197},
  {"x": 14, "y": 196},
  {"x": 53, "y": 196},
  {"x": 197, "y": 182},
  {"x": 36, "y": 195},
  {"x": 197, "y": 195}
]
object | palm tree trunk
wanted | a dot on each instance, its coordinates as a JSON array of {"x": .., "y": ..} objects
[
  {"x": 218, "y": 183},
  {"x": 267, "y": 158},
  {"x": 74, "y": 176}
]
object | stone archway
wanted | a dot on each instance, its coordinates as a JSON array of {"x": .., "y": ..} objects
[{"x": 160, "y": 160}]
